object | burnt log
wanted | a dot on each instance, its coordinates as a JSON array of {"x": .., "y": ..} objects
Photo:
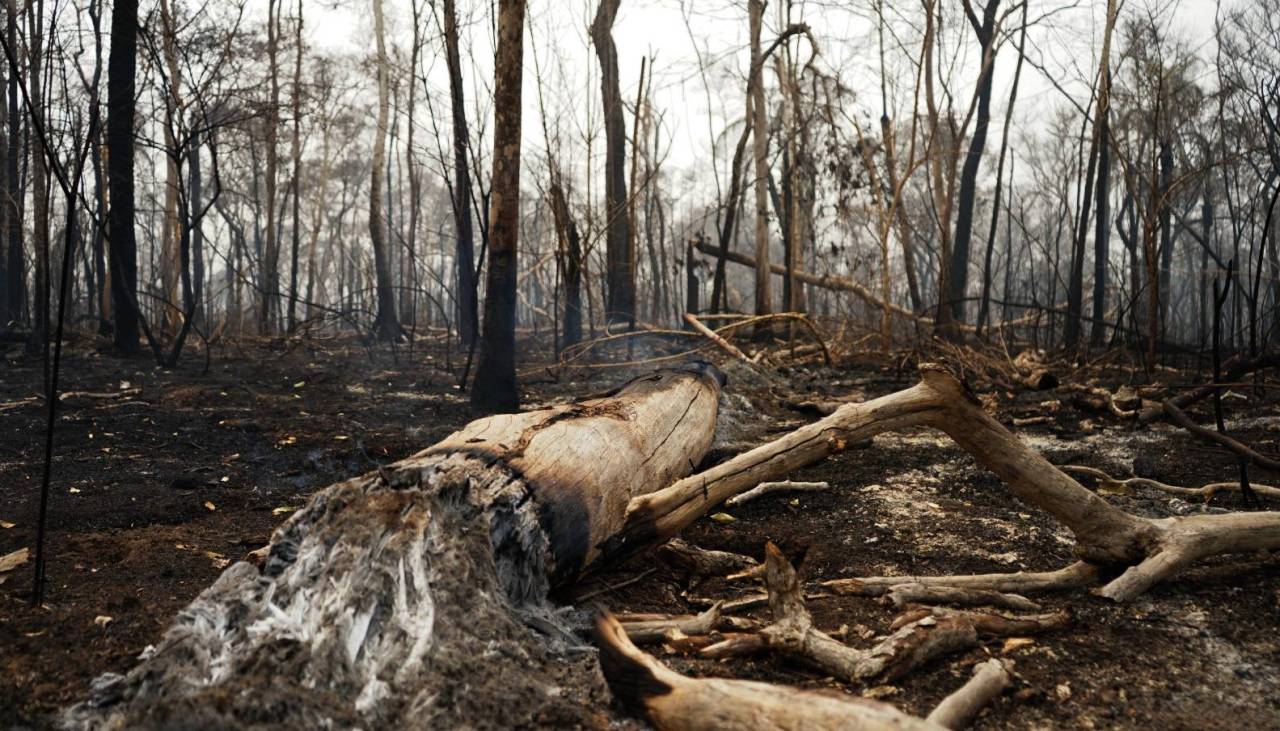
[{"x": 417, "y": 595}]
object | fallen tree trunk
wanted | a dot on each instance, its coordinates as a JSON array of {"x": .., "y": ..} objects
[
  {"x": 416, "y": 596},
  {"x": 1144, "y": 551}
]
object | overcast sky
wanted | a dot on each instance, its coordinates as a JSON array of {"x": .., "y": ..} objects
[{"x": 675, "y": 32}]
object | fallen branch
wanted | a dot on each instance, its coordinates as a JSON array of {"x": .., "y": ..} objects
[
  {"x": 1179, "y": 417},
  {"x": 1077, "y": 575},
  {"x": 766, "y": 488},
  {"x": 1205, "y": 492},
  {"x": 674, "y": 702},
  {"x": 655, "y": 630},
  {"x": 1233, "y": 370},
  {"x": 913, "y": 643},
  {"x": 1148, "y": 550},
  {"x": 701, "y": 562},
  {"x": 989, "y": 680},
  {"x": 904, "y": 594},
  {"x": 720, "y": 342}
]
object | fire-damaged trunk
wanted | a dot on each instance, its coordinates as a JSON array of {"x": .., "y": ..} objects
[{"x": 416, "y": 595}]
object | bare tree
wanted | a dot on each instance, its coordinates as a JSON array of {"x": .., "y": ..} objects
[{"x": 495, "y": 387}]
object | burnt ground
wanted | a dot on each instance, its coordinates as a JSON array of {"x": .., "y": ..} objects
[{"x": 156, "y": 491}]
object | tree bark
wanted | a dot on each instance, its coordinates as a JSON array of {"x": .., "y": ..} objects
[
  {"x": 620, "y": 275},
  {"x": 376, "y": 600},
  {"x": 985, "y": 31},
  {"x": 386, "y": 326},
  {"x": 269, "y": 281},
  {"x": 495, "y": 387},
  {"x": 464, "y": 263},
  {"x": 296, "y": 149},
  {"x": 121, "y": 68},
  {"x": 760, "y": 164}
]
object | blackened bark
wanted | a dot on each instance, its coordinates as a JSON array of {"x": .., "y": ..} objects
[
  {"x": 494, "y": 389},
  {"x": 1101, "y": 232},
  {"x": 121, "y": 68},
  {"x": 465, "y": 252},
  {"x": 969, "y": 173},
  {"x": 620, "y": 305},
  {"x": 386, "y": 326},
  {"x": 570, "y": 254}
]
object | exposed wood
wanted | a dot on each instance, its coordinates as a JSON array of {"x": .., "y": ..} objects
[
  {"x": 714, "y": 337},
  {"x": 674, "y": 702},
  {"x": 378, "y": 595},
  {"x": 766, "y": 488},
  {"x": 989, "y": 680},
  {"x": 904, "y": 594},
  {"x": 1075, "y": 576},
  {"x": 655, "y": 630}
]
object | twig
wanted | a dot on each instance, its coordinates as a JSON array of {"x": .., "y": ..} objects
[{"x": 765, "y": 488}]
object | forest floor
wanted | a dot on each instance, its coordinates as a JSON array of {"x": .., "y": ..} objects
[{"x": 163, "y": 477}]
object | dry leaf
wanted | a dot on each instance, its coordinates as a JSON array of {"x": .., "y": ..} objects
[
  {"x": 210, "y": 505},
  {"x": 723, "y": 518},
  {"x": 11, "y": 561},
  {"x": 6, "y": 524},
  {"x": 103, "y": 620},
  {"x": 219, "y": 561},
  {"x": 282, "y": 510}
]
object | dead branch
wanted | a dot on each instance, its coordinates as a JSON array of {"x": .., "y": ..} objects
[
  {"x": 989, "y": 680},
  {"x": 674, "y": 702},
  {"x": 765, "y": 488},
  {"x": 1179, "y": 417},
  {"x": 1205, "y": 492},
  {"x": 1233, "y": 370},
  {"x": 655, "y": 630},
  {"x": 720, "y": 342},
  {"x": 904, "y": 594},
  {"x": 1077, "y": 575},
  {"x": 1148, "y": 550},
  {"x": 702, "y": 562}
]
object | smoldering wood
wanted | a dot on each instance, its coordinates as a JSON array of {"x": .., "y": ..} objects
[{"x": 376, "y": 599}]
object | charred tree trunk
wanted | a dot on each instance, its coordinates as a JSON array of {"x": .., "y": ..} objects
[
  {"x": 296, "y": 150},
  {"x": 376, "y": 601},
  {"x": 270, "y": 278},
  {"x": 386, "y": 326},
  {"x": 468, "y": 322},
  {"x": 760, "y": 166},
  {"x": 571, "y": 260},
  {"x": 984, "y": 29},
  {"x": 121, "y": 68},
  {"x": 495, "y": 387},
  {"x": 620, "y": 275}
]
